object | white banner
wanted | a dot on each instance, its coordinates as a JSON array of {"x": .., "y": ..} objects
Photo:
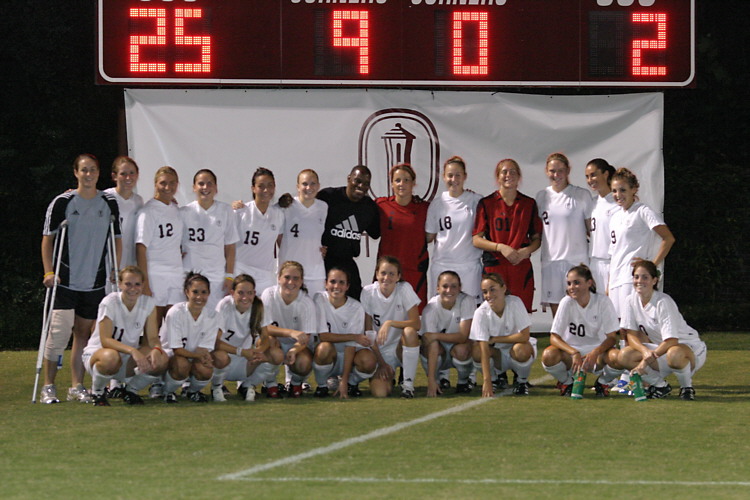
[{"x": 233, "y": 132}]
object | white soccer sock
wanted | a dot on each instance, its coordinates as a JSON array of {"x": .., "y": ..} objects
[
  {"x": 197, "y": 385},
  {"x": 684, "y": 376},
  {"x": 261, "y": 373},
  {"x": 560, "y": 372},
  {"x": 321, "y": 373},
  {"x": 609, "y": 375},
  {"x": 357, "y": 376},
  {"x": 98, "y": 381},
  {"x": 522, "y": 369},
  {"x": 653, "y": 377},
  {"x": 140, "y": 381},
  {"x": 219, "y": 376},
  {"x": 410, "y": 360},
  {"x": 464, "y": 370},
  {"x": 170, "y": 384}
]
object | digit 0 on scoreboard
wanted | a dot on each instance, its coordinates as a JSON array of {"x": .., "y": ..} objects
[{"x": 413, "y": 43}]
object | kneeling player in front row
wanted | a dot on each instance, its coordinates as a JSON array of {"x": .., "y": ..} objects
[
  {"x": 292, "y": 322},
  {"x": 660, "y": 342},
  {"x": 243, "y": 352},
  {"x": 189, "y": 332},
  {"x": 392, "y": 310},
  {"x": 446, "y": 321},
  {"x": 344, "y": 347},
  {"x": 113, "y": 350},
  {"x": 583, "y": 335},
  {"x": 501, "y": 331}
]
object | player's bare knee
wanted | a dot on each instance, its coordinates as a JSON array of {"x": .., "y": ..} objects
[
  {"x": 410, "y": 337},
  {"x": 522, "y": 352},
  {"x": 275, "y": 355},
  {"x": 461, "y": 352},
  {"x": 365, "y": 361},
  {"x": 201, "y": 371},
  {"x": 551, "y": 356},
  {"x": 221, "y": 359}
]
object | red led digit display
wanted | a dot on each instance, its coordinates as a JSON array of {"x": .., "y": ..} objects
[{"x": 415, "y": 43}]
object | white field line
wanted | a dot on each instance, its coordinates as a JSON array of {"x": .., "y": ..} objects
[
  {"x": 605, "y": 482},
  {"x": 384, "y": 431}
]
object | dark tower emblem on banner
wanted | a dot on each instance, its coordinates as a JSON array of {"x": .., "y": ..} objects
[{"x": 392, "y": 136}]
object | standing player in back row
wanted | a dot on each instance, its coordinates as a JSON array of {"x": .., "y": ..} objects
[
  {"x": 565, "y": 211},
  {"x": 350, "y": 214},
  {"x": 88, "y": 213}
]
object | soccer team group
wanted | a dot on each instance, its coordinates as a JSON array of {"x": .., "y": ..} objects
[{"x": 202, "y": 299}]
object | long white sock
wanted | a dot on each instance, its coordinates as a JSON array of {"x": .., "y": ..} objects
[
  {"x": 219, "y": 375},
  {"x": 684, "y": 376},
  {"x": 653, "y": 377},
  {"x": 410, "y": 360},
  {"x": 261, "y": 373},
  {"x": 560, "y": 372},
  {"x": 98, "y": 381},
  {"x": 609, "y": 375},
  {"x": 196, "y": 385},
  {"x": 522, "y": 369},
  {"x": 140, "y": 381},
  {"x": 321, "y": 373},
  {"x": 464, "y": 369},
  {"x": 170, "y": 384}
]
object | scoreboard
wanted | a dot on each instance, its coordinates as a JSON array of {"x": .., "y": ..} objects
[{"x": 397, "y": 43}]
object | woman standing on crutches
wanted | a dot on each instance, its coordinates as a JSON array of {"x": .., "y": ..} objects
[{"x": 80, "y": 279}]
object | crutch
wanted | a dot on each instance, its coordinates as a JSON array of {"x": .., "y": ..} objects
[
  {"x": 49, "y": 302},
  {"x": 112, "y": 250}
]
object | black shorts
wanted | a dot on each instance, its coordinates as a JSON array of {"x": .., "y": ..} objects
[{"x": 86, "y": 304}]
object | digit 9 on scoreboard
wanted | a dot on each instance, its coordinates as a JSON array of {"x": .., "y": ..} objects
[{"x": 411, "y": 43}]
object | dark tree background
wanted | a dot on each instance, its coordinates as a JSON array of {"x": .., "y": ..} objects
[{"x": 52, "y": 110}]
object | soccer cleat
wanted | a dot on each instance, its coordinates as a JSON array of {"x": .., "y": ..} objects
[
  {"x": 217, "y": 394},
  {"x": 49, "y": 394},
  {"x": 132, "y": 398},
  {"x": 565, "y": 389},
  {"x": 250, "y": 393},
  {"x": 296, "y": 391},
  {"x": 306, "y": 387},
  {"x": 321, "y": 392},
  {"x": 332, "y": 383},
  {"x": 115, "y": 392},
  {"x": 79, "y": 393},
  {"x": 407, "y": 394},
  {"x": 472, "y": 384},
  {"x": 272, "y": 392},
  {"x": 687, "y": 393},
  {"x": 500, "y": 383},
  {"x": 654, "y": 392},
  {"x": 445, "y": 384},
  {"x": 101, "y": 400},
  {"x": 521, "y": 389},
  {"x": 225, "y": 391},
  {"x": 196, "y": 397},
  {"x": 353, "y": 391},
  {"x": 156, "y": 391},
  {"x": 602, "y": 390},
  {"x": 170, "y": 398},
  {"x": 464, "y": 388}
]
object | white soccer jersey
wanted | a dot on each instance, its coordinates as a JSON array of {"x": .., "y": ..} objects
[
  {"x": 206, "y": 234},
  {"x": 159, "y": 227},
  {"x": 659, "y": 319},
  {"x": 300, "y": 315},
  {"x": 235, "y": 326},
  {"x": 128, "y": 212},
  {"x": 585, "y": 328},
  {"x": 181, "y": 330},
  {"x": 452, "y": 220},
  {"x": 394, "y": 308},
  {"x": 127, "y": 326},
  {"x": 487, "y": 324},
  {"x": 564, "y": 217},
  {"x": 347, "y": 319},
  {"x": 436, "y": 318},
  {"x": 602, "y": 210},
  {"x": 256, "y": 249},
  {"x": 303, "y": 229},
  {"x": 632, "y": 235}
]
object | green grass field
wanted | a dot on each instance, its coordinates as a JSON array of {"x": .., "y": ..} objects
[{"x": 463, "y": 447}]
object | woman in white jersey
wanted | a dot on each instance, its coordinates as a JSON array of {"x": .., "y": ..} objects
[
  {"x": 565, "y": 210},
  {"x": 500, "y": 330},
  {"x": 208, "y": 243},
  {"x": 660, "y": 342},
  {"x": 125, "y": 176},
  {"x": 158, "y": 236},
  {"x": 450, "y": 220},
  {"x": 114, "y": 350},
  {"x": 260, "y": 225},
  {"x": 635, "y": 230},
  {"x": 599, "y": 178},
  {"x": 392, "y": 312},
  {"x": 344, "y": 348},
  {"x": 304, "y": 223},
  {"x": 293, "y": 322},
  {"x": 244, "y": 352},
  {"x": 189, "y": 334},
  {"x": 446, "y": 321},
  {"x": 582, "y": 336}
]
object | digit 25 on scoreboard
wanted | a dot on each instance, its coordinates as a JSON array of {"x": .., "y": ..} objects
[{"x": 418, "y": 43}]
